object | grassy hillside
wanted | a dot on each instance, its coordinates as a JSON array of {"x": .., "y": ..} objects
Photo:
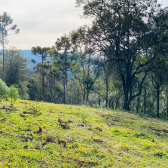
[{"x": 49, "y": 135}]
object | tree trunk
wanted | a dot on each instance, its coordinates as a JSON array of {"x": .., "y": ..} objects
[
  {"x": 158, "y": 95},
  {"x": 167, "y": 99},
  {"x": 66, "y": 81},
  {"x": 107, "y": 90},
  {"x": 64, "y": 92},
  {"x": 99, "y": 101},
  {"x": 144, "y": 104},
  {"x": 127, "y": 93},
  {"x": 84, "y": 95},
  {"x": 126, "y": 100},
  {"x": 87, "y": 94},
  {"x": 3, "y": 52},
  {"x": 138, "y": 104},
  {"x": 3, "y": 61},
  {"x": 43, "y": 77}
]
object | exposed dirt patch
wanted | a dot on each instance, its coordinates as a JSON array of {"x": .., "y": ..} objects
[
  {"x": 160, "y": 134},
  {"x": 82, "y": 125},
  {"x": 98, "y": 140},
  {"x": 156, "y": 129},
  {"x": 116, "y": 120},
  {"x": 99, "y": 129},
  {"x": 164, "y": 130},
  {"x": 111, "y": 124},
  {"x": 3, "y": 119},
  {"x": 39, "y": 131}
]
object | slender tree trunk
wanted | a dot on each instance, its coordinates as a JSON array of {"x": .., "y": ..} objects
[
  {"x": 3, "y": 53},
  {"x": 158, "y": 95},
  {"x": 144, "y": 104},
  {"x": 84, "y": 95},
  {"x": 107, "y": 90},
  {"x": 87, "y": 95},
  {"x": 126, "y": 86},
  {"x": 126, "y": 100},
  {"x": 43, "y": 78},
  {"x": 167, "y": 98},
  {"x": 64, "y": 92},
  {"x": 66, "y": 82},
  {"x": 99, "y": 101},
  {"x": 117, "y": 104},
  {"x": 138, "y": 104}
]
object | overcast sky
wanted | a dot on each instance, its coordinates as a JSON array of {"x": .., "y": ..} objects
[{"x": 41, "y": 22}]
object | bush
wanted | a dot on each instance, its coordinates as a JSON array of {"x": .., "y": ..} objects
[
  {"x": 3, "y": 89},
  {"x": 13, "y": 93},
  {"x": 84, "y": 115}
]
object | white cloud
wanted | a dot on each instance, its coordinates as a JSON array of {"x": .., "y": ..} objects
[{"x": 41, "y": 22}]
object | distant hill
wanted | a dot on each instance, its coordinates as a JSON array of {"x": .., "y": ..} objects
[{"x": 28, "y": 54}]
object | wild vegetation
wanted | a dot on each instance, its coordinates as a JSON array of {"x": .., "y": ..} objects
[
  {"x": 36, "y": 134},
  {"x": 116, "y": 68},
  {"x": 120, "y": 61}
]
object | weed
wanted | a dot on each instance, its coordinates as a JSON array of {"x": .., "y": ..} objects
[{"x": 84, "y": 115}]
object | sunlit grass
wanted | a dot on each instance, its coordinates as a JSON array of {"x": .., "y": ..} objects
[{"x": 96, "y": 137}]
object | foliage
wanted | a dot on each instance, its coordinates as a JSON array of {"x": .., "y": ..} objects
[
  {"x": 119, "y": 61},
  {"x": 16, "y": 70},
  {"x": 13, "y": 93},
  {"x": 84, "y": 115},
  {"x": 119, "y": 32},
  {"x": 3, "y": 89}
]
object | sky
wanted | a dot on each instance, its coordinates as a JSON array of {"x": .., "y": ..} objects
[{"x": 41, "y": 22}]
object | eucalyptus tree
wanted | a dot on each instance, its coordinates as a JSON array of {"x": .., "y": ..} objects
[
  {"x": 124, "y": 31},
  {"x": 41, "y": 53},
  {"x": 6, "y": 29}
]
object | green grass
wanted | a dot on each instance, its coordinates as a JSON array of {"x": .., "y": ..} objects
[{"x": 96, "y": 137}]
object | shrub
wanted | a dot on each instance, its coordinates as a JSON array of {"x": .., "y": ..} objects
[
  {"x": 3, "y": 89},
  {"x": 84, "y": 115},
  {"x": 13, "y": 93}
]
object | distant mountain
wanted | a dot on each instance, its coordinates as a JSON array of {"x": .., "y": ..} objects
[{"x": 28, "y": 54}]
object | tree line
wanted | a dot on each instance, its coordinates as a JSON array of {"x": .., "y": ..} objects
[{"x": 117, "y": 62}]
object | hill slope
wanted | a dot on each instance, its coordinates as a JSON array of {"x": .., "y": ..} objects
[{"x": 49, "y": 135}]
